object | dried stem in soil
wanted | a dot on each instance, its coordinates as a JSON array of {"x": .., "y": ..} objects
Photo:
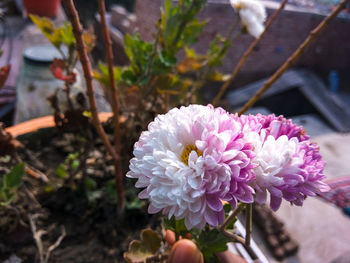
[
  {"x": 115, "y": 100},
  {"x": 86, "y": 65}
]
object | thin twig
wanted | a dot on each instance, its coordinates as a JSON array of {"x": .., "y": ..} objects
[
  {"x": 56, "y": 244},
  {"x": 85, "y": 62},
  {"x": 36, "y": 173},
  {"x": 313, "y": 35},
  {"x": 247, "y": 53},
  {"x": 248, "y": 224},
  {"x": 203, "y": 75},
  {"x": 37, "y": 234},
  {"x": 115, "y": 102},
  {"x": 37, "y": 237}
]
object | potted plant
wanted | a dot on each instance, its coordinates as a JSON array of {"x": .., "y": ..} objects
[
  {"x": 48, "y": 8},
  {"x": 217, "y": 156}
]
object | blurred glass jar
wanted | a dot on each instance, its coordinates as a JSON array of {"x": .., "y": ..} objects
[{"x": 36, "y": 84}]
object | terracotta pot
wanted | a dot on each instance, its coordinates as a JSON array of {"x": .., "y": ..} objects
[
  {"x": 48, "y": 8},
  {"x": 43, "y": 122}
]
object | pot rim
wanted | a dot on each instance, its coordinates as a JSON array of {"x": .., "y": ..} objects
[{"x": 43, "y": 122}]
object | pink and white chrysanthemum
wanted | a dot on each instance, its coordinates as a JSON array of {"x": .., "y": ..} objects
[
  {"x": 288, "y": 165},
  {"x": 191, "y": 159}
]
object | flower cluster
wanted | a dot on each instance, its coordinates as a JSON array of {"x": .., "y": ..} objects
[
  {"x": 252, "y": 14},
  {"x": 193, "y": 158}
]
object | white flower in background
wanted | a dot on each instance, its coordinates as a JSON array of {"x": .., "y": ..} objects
[{"x": 252, "y": 14}]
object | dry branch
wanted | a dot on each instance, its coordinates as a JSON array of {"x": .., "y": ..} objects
[
  {"x": 115, "y": 101},
  {"x": 246, "y": 54},
  {"x": 85, "y": 62},
  {"x": 312, "y": 36}
]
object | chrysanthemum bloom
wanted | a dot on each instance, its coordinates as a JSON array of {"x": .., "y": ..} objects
[
  {"x": 288, "y": 165},
  {"x": 189, "y": 160},
  {"x": 252, "y": 14}
]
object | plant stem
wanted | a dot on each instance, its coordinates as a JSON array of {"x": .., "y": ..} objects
[
  {"x": 234, "y": 237},
  {"x": 115, "y": 101},
  {"x": 246, "y": 54},
  {"x": 229, "y": 219},
  {"x": 85, "y": 62},
  {"x": 248, "y": 224},
  {"x": 313, "y": 35}
]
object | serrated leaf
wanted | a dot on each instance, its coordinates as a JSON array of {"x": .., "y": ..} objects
[
  {"x": 61, "y": 171},
  {"x": 140, "y": 250},
  {"x": 211, "y": 241},
  {"x": 192, "y": 31},
  {"x": 13, "y": 179},
  {"x": 48, "y": 29}
]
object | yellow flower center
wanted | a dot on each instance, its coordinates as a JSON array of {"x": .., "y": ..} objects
[{"x": 186, "y": 153}]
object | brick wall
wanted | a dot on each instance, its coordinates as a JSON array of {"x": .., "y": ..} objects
[{"x": 330, "y": 51}]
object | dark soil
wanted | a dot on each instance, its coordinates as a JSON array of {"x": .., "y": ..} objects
[{"x": 95, "y": 231}]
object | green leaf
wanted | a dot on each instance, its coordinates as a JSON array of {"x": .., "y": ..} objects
[
  {"x": 227, "y": 208},
  {"x": 135, "y": 204},
  {"x": 87, "y": 114},
  {"x": 167, "y": 59},
  {"x": 48, "y": 29},
  {"x": 192, "y": 31},
  {"x": 61, "y": 171},
  {"x": 169, "y": 223},
  {"x": 8, "y": 199},
  {"x": 129, "y": 77},
  {"x": 103, "y": 74},
  {"x": 211, "y": 241},
  {"x": 111, "y": 190},
  {"x": 13, "y": 179},
  {"x": 178, "y": 226},
  {"x": 90, "y": 184},
  {"x": 128, "y": 44},
  {"x": 75, "y": 164},
  {"x": 66, "y": 34},
  {"x": 167, "y": 6},
  {"x": 140, "y": 250}
]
